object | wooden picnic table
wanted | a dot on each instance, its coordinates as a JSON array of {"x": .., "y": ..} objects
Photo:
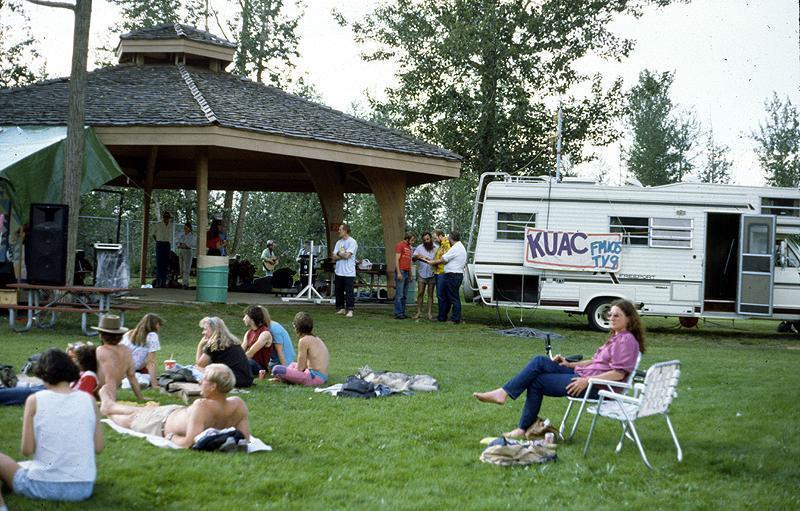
[{"x": 83, "y": 300}]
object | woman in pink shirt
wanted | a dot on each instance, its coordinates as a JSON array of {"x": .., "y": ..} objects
[{"x": 614, "y": 360}]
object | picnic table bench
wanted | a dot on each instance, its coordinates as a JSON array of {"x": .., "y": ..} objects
[{"x": 83, "y": 300}]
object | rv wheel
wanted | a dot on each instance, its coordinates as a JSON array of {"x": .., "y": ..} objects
[{"x": 597, "y": 314}]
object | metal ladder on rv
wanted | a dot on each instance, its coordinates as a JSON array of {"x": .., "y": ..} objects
[{"x": 469, "y": 281}]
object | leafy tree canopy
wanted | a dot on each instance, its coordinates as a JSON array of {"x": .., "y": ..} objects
[
  {"x": 484, "y": 78},
  {"x": 662, "y": 137},
  {"x": 778, "y": 142}
]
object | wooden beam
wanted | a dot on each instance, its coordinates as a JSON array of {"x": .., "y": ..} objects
[
  {"x": 389, "y": 189},
  {"x": 215, "y": 136},
  {"x": 202, "y": 199},
  {"x": 330, "y": 189},
  {"x": 148, "y": 190}
]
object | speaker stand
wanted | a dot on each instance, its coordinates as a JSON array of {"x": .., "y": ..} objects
[{"x": 308, "y": 293}]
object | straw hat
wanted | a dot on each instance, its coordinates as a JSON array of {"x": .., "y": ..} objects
[{"x": 110, "y": 324}]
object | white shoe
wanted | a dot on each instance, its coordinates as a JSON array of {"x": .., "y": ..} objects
[
  {"x": 341, "y": 311},
  {"x": 349, "y": 314}
]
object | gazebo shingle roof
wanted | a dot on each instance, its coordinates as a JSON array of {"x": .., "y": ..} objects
[
  {"x": 176, "y": 31},
  {"x": 161, "y": 95}
]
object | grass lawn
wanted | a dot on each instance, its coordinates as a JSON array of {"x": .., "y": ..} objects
[{"x": 736, "y": 416}]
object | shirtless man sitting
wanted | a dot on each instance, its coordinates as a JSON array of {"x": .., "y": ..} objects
[
  {"x": 114, "y": 361},
  {"x": 181, "y": 424},
  {"x": 311, "y": 368}
]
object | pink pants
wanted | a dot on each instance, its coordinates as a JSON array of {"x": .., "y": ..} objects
[{"x": 290, "y": 374}]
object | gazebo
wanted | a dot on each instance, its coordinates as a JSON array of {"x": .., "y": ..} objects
[{"x": 173, "y": 118}]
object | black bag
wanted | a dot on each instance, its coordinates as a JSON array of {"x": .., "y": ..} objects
[
  {"x": 221, "y": 441},
  {"x": 8, "y": 378},
  {"x": 177, "y": 375},
  {"x": 356, "y": 387}
]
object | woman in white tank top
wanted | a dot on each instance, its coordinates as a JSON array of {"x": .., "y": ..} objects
[{"x": 59, "y": 470}]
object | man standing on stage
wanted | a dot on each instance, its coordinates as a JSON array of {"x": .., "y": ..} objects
[
  {"x": 162, "y": 234},
  {"x": 344, "y": 255},
  {"x": 269, "y": 259},
  {"x": 402, "y": 274}
]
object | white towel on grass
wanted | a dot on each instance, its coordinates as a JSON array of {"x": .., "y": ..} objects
[{"x": 255, "y": 444}]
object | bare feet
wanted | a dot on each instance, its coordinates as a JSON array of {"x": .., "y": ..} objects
[
  {"x": 497, "y": 396},
  {"x": 416, "y": 317},
  {"x": 516, "y": 433}
]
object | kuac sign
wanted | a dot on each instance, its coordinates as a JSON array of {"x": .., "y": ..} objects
[{"x": 575, "y": 251}]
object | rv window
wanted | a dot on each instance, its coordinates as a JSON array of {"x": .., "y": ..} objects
[
  {"x": 635, "y": 231},
  {"x": 511, "y": 226},
  {"x": 780, "y": 207},
  {"x": 671, "y": 232}
]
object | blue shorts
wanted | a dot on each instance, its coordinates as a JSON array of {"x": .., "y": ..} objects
[{"x": 48, "y": 490}]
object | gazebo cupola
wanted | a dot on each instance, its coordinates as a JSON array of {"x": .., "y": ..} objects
[{"x": 173, "y": 43}]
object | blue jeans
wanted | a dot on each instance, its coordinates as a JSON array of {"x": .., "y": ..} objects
[
  {"x": 255, "y": 367},
  {"x": 541, "y": 377},
  {"x": 452, "y": 284},
  {"x": 17, "y": 395},
  {"x": 401, "y": 292},
  {"x": 441, "y": 298}
]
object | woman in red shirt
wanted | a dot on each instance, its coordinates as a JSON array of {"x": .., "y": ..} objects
[{"x": 257, "y": 339}]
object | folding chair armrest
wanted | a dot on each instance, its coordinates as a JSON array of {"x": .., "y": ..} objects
[
  {"x": 613, "y": 383},
  {"x": 606, "y": 394}
]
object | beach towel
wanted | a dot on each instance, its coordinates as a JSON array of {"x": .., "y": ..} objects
[{"x": 255, "y": 444}]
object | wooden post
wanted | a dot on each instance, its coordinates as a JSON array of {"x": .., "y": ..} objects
[
  {"x": 201, "y": 172},
  {"x": 148, "y": 190},
  {"x": 330, "y": 189},
  {"x": 389, "y": 188}
]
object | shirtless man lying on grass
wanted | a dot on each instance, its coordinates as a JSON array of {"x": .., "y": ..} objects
[
  {"x": 181, "y": 424},
  {"x": 114, "y": 361}
]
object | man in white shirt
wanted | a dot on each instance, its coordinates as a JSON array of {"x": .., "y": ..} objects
[
  {"x": 344, "y": 255},
  {"x": 162, "y": 234},
  {"x": 454, "y": 261},
  {"x": 186, "y": 241},
  {"x": 269, "y": 259}
]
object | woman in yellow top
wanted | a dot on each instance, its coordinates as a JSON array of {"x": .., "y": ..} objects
[{"x": 438, "y": 270}]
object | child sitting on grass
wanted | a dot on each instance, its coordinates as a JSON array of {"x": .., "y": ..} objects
[
  {"x": 311, "y": 368},
  {"x": 143, "y": 342},
  {"x": 85, "y": 357}
]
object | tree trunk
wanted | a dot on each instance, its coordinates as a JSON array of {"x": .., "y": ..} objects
[
  {"x": 487, "y": 128},
  {"x": 191, "y": 202},
  {"x": 244, "y": 37},
  {"x": 240, "y": 221},
  {"x": 74, "y": 147},
  {"x": 226, "y": 211}
]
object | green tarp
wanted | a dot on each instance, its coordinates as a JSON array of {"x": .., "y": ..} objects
[{"x": 32, "y": 165}]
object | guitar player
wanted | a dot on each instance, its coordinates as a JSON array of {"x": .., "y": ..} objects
[{"x": 269, "y": 258}]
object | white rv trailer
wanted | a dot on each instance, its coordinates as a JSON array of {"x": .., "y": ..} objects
[{"x": 686, "y": 249}]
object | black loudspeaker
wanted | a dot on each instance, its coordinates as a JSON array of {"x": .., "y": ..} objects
[
  {"x": 263, "y": 285},
  {"x": 282, "y": 278},
  {"x": 46, "y": 250}
]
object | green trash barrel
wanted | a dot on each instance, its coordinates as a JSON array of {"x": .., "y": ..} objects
[{"x": 212, "y": 279}]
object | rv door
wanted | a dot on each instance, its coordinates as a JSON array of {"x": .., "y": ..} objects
[{"x": 756, "y": 265}]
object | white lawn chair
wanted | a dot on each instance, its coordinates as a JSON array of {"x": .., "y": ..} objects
[
  {"x": 625, "y": 385},
  {"x": 652, "y": 397}
]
